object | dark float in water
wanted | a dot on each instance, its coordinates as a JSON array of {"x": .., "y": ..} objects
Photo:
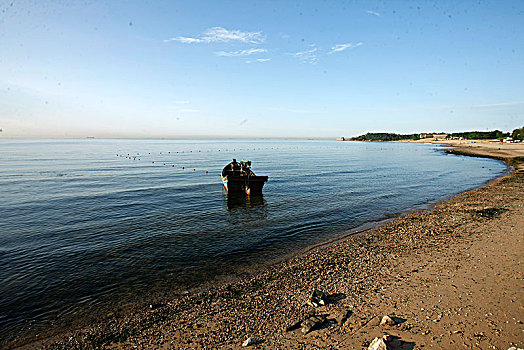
[{"x": 239, "y": 178}]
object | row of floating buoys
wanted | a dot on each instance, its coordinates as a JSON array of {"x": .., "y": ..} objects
[
  {"x": 153, "y": 162},
  {"x": 132, "y": 156},
  {"x": 234, "y": 149},
  {"x": 218, "y": 150},
  {"x": 227, "y": 150}
]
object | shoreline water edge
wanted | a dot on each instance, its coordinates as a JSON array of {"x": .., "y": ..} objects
[{"x": 430, "y": 270}]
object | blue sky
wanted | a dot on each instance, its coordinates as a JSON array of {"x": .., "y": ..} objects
[{"x": 259, "y": 68}]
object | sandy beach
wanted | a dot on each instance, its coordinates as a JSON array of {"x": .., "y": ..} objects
[{"x": 449, "y": 277}]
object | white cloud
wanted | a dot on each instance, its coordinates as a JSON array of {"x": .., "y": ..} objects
[
  {"x": 308, "y": 56},
  {"x": 188, "y": 110},
  {"x": 219, "y": 34},
  {"x": 184, "y": 40},
  {"x": 247, "y": 52},
  {"x": 499, "y": 104},
  {"x": 373, "y": 13},
  {"x": 342, "y": 47},
  {"x": 259, "y": 60},
  {"x": 181, "y": 102}
]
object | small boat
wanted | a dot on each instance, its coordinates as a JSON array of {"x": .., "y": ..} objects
[{"x": 239, "y": 178}]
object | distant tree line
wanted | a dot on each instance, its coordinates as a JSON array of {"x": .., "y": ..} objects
[
  {"x": 518, "y": 134},
  {"x": 479, "y": 135},
  {"x": 385, "y": 136}
]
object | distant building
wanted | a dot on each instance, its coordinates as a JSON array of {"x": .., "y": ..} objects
[{"x": 433, "y": 136}]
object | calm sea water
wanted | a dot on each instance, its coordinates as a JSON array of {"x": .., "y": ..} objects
[{"x": 81, "y": 227}]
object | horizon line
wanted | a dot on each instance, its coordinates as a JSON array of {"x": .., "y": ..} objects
[{"x": 172, "y": 138}]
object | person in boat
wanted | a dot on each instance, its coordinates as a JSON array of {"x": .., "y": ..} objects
[{"x": 235, "y": 168}]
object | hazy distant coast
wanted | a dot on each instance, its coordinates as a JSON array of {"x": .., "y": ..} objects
[{"x": 515, "y": 136}]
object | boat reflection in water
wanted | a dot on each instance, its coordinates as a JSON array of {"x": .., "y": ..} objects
[
  {"x": 241, "y": 201},
  {"x": 246, "y": 214}
]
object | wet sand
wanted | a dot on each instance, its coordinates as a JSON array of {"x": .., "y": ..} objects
[{"x": 451, "y": 277}]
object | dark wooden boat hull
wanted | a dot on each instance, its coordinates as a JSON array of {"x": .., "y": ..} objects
[{"x": 241, "y": 184}]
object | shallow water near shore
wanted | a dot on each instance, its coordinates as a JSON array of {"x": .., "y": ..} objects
[{"x": 90, "y": 223}]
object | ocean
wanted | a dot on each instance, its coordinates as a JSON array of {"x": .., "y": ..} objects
[{"x": 87, "y": 225}]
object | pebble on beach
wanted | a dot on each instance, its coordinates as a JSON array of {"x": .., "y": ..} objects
[
  {"x": 249, "y": 341},
  {"x": 378, "y": 344},
  {"x": 387, "y": 321}
]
